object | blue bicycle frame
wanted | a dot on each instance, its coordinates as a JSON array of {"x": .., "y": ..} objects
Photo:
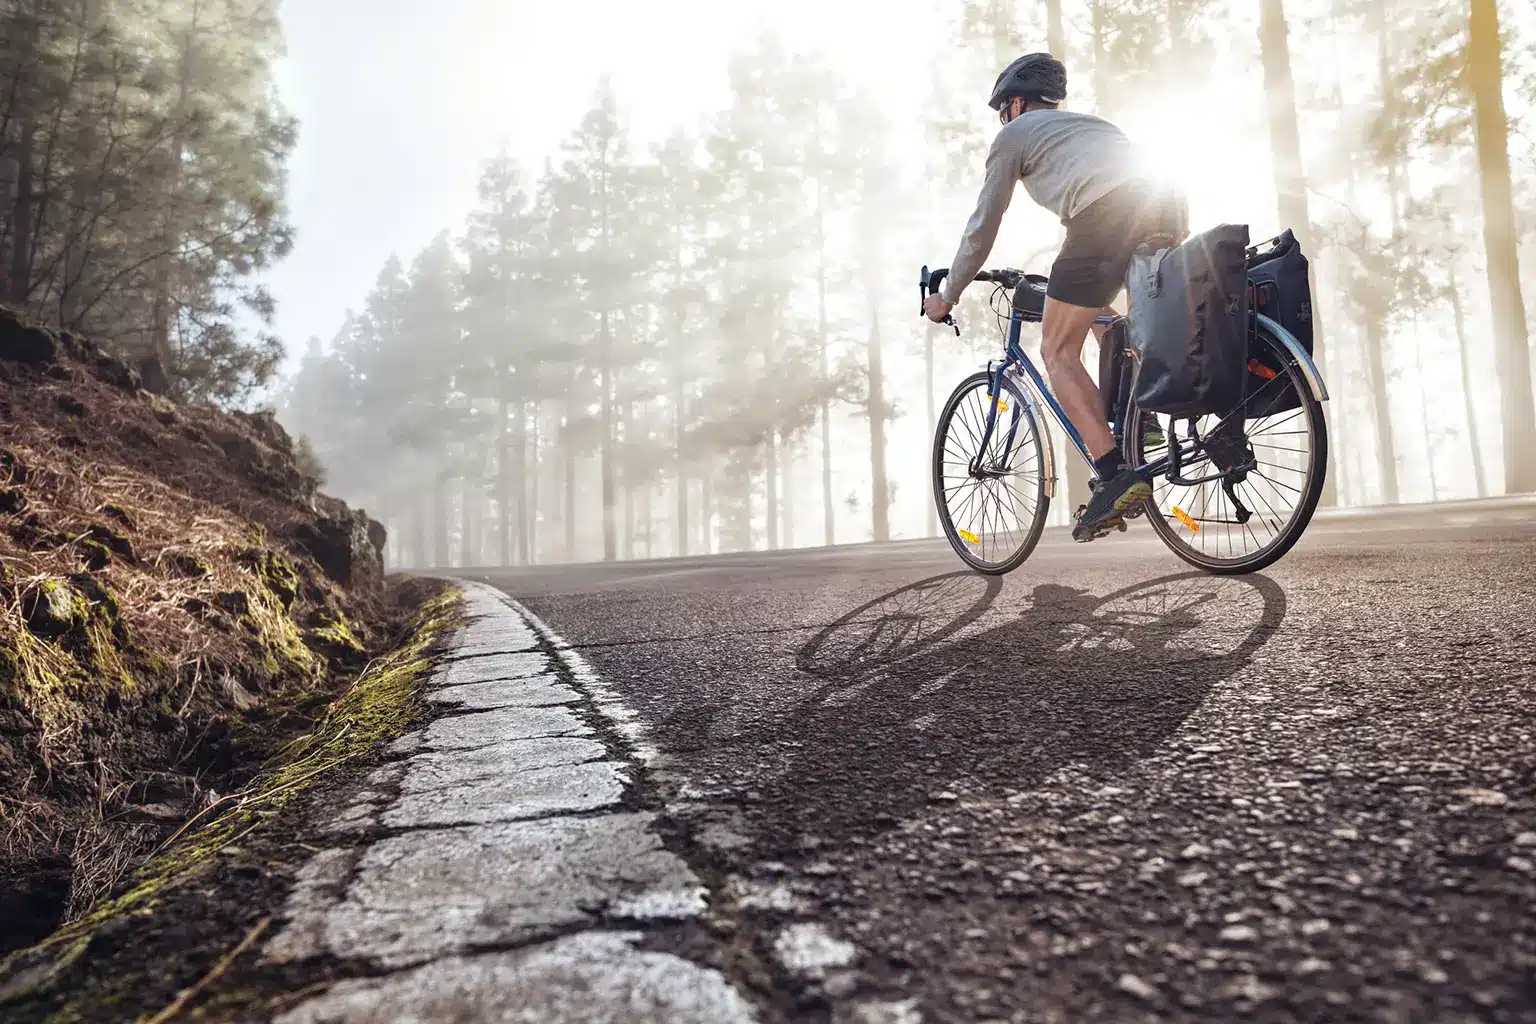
[{"x": 1015, "y": 356}]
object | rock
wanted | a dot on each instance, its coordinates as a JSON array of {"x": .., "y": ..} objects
[
  {"x": 1526, "y": 839},
  {"x": 1239, "y": 933},
  {"x": 153, "y": 376},
  {"x": 268, "y": 431},
  {"x": 1316, "y": 926},
  {"x": 1192, "y": 879},
  {"x": 71, "y": 405},
  {"x": 1312, "y": 965},
  {"x": 185, "y": 567},
  {"x": 343, "y": 548},
  {"x": 52, "y": 608},
  {"x": 1482, "y": 797},
  {"x": 25, "y": 343},
  {"x": 11, "y": 466},
  {"x": 1521, "y": 865},
  {"x": 118, "y": 374},
  {"x": 235, "y": 602},
  {"x": 113, "y": 541},
  {"x": 379, "y": 537},
  {"x": 119, "y": 513},
  {"x": 1138, "y": 988},
  {"x": 1194, "y": 851}
]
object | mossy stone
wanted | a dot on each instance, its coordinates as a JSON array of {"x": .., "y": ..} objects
[{"x": 52, "y": 608}]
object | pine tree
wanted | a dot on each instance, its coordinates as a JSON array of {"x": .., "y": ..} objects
[{"x": 1484, "y": 64}]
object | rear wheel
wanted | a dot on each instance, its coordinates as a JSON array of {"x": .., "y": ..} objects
[
  {"x": 992, "y": 503},
  {"x": 1284, "y": 437}
]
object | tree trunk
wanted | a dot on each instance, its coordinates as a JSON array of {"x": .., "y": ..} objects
[
  {"x": 520, "y": 479},
  {"x": 469, "y": 510},
  {"x": 505, "y": 480},
  {"x": 441, "y": 555},
  {"x": 787, "y": 493},
  {"x": 418, "y": 555},
  {"x": 570, "y": 488},
  {"x": 679, "y": 398},
  {"x": 84, "y": 201},
  {"x": 1485, "y": 73},
  {"x": 529, "y": 514},
  {"x": 1424, "y": 416},
  {"x": 771, "y": 489},
  {"x": 821, "y": 340},
  {"x": 21, "y": 220},
  {"x": 933, "y": 429},
  {"x": 1453, "y": 292},
  {"x": 880, "y": 496},
  {"x": 628, "y": 546},
  {"x": 707, "y": 509},
  {"x": 605, "y": 364},
  {"x": 646, "y": 520},
  {"x": 1290, "y": 175},
  {"x": 1055, "y": 32},
  {"x": 1376, "y": 380}
]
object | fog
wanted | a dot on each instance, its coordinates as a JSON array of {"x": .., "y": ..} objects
[{"x": 555, "y": 283}]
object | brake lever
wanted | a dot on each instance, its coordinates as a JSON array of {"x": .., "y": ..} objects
[{"x": 922, "y": 306}]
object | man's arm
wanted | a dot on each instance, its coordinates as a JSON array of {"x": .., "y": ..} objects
[{"x": 981, "y": 232}]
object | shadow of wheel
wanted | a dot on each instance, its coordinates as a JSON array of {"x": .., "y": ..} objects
[
  {"x": 899, "y": 624},
  {"x": 906, "y": 704}
]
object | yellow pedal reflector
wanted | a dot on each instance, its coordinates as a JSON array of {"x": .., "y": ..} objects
[
  {"x": 1185, "y": 518},
  {"x": 967, "y": 535}
]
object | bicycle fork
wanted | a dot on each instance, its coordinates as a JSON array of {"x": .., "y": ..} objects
[{"x": 997, "y": 372}]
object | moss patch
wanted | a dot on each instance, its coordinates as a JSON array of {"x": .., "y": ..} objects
[{"x": 60, "y": 978}]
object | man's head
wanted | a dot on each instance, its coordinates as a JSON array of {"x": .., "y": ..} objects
[{"x": 1035, "y": 81}]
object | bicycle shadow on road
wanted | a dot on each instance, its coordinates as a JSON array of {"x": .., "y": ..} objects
[{"x": 909, "y": 704}]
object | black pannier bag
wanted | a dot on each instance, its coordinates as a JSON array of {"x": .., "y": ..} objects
[
  {"x": 1280, "y": 289},
  {"x": 1189, "y": 323}
]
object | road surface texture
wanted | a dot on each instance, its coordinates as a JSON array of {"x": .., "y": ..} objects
[{"x": 859, "y": 785}]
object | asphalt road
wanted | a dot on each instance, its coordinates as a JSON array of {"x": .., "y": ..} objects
[{"x": 1104, "y": 787}]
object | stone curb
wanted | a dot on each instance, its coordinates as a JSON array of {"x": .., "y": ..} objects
[{"x": 496, "y": 872}]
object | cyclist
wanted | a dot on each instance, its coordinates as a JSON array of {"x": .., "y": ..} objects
[{"x": 1085, "y": 171}]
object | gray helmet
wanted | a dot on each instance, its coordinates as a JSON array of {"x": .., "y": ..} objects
[{"x": 1036, "y": 75}]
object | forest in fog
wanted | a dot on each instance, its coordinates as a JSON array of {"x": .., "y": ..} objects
[{"x": 709, "y": 341}]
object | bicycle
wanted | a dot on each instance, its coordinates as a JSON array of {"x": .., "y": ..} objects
[{"x": 975, "y": 470}]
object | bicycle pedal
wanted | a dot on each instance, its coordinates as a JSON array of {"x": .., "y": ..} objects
[{"x": 1104, "y": 529}]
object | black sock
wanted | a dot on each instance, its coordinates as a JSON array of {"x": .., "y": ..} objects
[{"x": 1106, "y": 466}]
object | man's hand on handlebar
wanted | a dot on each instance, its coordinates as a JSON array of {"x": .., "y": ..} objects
[{"x": 936, "y": 308}]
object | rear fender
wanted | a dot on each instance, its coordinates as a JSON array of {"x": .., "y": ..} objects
[{"x": 1303, "y": 360}]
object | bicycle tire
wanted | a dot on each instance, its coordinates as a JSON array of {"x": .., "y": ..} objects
[
  {"x": 1023, "y": 421},
  {"x": 1310, "y": 412}
]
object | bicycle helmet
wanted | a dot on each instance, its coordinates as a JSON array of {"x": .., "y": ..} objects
[{"x": 1036, "y": 76}]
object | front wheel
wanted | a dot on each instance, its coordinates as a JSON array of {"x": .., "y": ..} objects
[
  {"x": 991, "y": 497},
  {"x": 1285, "y": 440}
]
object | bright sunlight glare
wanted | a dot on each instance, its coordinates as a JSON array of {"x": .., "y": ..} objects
[{"x": 1227, "y": 182}]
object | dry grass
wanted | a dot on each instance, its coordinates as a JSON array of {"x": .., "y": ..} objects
[{"x": 189, "y": 637}]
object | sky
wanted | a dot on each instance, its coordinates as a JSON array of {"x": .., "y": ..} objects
[{"x": 400, "y": 102}]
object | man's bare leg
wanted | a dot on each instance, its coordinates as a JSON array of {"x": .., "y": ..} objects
[{"x": 1064, "y": 329}]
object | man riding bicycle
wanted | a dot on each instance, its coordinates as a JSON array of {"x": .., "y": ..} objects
[{"x": 1084, "y": 170}]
